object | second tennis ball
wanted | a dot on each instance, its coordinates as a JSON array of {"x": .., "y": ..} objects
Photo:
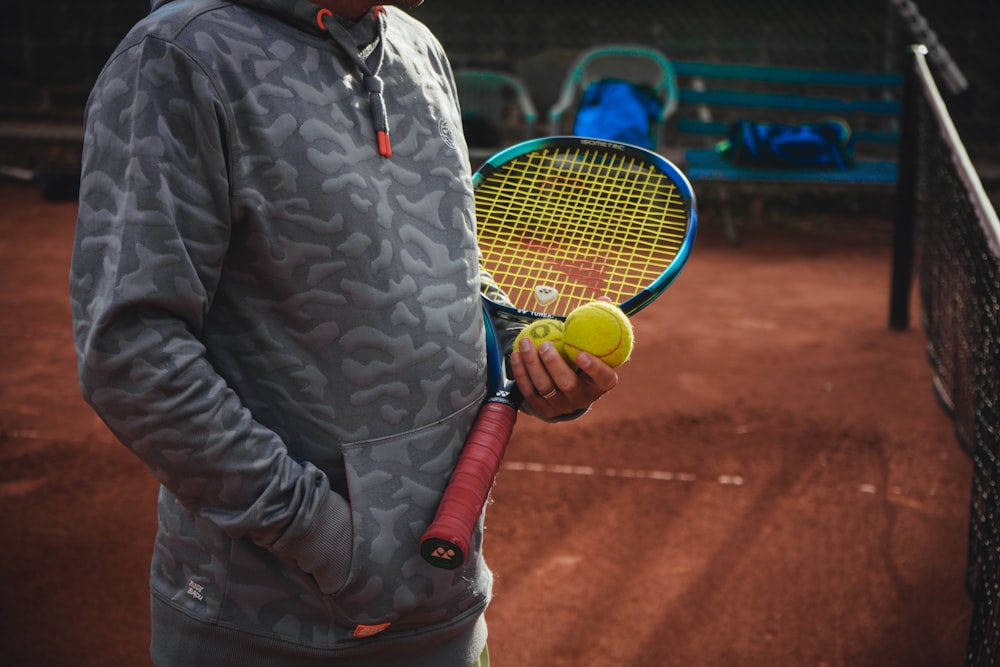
[
  {"x": 601, "y": 329},
  {"x": 540, "y": 331}
]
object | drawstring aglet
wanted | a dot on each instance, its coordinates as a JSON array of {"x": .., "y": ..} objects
[
  {"x": 384, "y": 147},
  {"x": 380, "y": 119}
]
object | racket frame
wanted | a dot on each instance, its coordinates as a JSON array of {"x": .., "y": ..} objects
[{"x": 447, "y": 548}]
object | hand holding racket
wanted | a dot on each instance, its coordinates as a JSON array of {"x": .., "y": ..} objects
[{"x": 561, "y": 221}]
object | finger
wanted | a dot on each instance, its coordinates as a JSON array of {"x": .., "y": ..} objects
[
  {"x": 600, "y": 375},
  {"x": 542, "y": 395},
  {"x": 535, "y": 372},
  {"x": 578, "y": 389},
  {"x": 562, "y": 373},
  {"x": 551, "y": 386}
]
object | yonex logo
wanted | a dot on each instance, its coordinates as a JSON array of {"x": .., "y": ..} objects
[{"x": 440, "y": 553}]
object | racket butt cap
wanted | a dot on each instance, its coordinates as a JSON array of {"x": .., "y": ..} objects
[{"x": 441, "y": 553}]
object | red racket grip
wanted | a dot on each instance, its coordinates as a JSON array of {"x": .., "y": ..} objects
[{"x": 446, "y": 541}]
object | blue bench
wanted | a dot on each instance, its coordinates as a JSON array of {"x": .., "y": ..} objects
[{"x": 713, "y": 95}]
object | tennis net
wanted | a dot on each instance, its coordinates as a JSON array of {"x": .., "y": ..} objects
[{"x": 956, "y": 244}]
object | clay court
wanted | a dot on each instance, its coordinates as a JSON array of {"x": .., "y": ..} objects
[{"x": 772, "y": 484}]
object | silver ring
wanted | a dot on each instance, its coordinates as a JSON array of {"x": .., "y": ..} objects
[{"x": 555, "y": 390}]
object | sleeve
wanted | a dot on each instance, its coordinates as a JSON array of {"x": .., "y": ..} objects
[
  {"x": 152, "y": 235},
  {"x": 506, "y": 330}
]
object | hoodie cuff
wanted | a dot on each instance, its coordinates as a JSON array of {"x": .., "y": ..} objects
[
  {"x": 569, "y": 416},
  {"x": 326, "y": 549}
]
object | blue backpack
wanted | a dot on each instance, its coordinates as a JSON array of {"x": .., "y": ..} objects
[
  {"x": 619, "y": 110},
  {"x": 824, "y": 145}
]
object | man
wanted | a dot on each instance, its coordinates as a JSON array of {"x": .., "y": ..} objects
[{"x": 275, "y": 296}]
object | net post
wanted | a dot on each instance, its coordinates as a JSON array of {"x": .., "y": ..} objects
[{"x": 905, "y": 210}]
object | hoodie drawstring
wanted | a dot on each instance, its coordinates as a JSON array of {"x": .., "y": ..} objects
[{"x": 370, "y": 78}]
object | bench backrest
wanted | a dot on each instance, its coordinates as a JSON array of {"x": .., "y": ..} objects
[
  {"x": 713, "y": 95},
  {"x": 499, "y": 100}
]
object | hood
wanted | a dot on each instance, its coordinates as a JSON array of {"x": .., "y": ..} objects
[
  {"x": 316, "y": 19},
  {"x": 302, "y": 11}
]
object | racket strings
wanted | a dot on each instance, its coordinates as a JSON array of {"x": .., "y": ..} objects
[{"x": 574, "y": 225}]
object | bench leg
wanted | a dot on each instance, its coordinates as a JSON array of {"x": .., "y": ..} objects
[{"x": 727, "y": 217}]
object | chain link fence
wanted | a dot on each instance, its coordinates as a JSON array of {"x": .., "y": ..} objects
[
  {"x": 51, "y": 52},
  {"x": 537, "y": 40}
]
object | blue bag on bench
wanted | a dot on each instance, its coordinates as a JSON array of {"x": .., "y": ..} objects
[
  {"x": 824, "y": 145},
  {"x": 618, "y": 110}
]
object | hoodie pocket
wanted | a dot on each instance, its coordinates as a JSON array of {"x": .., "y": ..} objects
[{"x": 395, "y": 485}]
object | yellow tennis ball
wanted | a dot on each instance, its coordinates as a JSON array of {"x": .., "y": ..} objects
[
  {"x": 540, "y": 331},
  {"x": 601, "y": 329}
]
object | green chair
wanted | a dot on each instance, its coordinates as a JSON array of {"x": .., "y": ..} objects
[
  {"x": 497, "y": 111},
  {"x": 641, "y": 65}
]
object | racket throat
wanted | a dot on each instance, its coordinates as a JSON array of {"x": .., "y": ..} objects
[{"x": 510, "y": 397}]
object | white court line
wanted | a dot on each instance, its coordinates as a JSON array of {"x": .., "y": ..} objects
[
  {"x": 588, "y": 471},
  {"x": 656, "y": 475}
]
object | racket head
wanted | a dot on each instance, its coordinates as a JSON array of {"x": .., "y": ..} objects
[{"x": 563, "y": 221}]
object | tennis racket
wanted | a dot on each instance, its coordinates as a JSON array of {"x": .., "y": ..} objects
[{"x": 561, "y": 221}]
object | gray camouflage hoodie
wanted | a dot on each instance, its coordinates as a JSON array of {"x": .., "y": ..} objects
[{"x": 284, "y": 325}]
